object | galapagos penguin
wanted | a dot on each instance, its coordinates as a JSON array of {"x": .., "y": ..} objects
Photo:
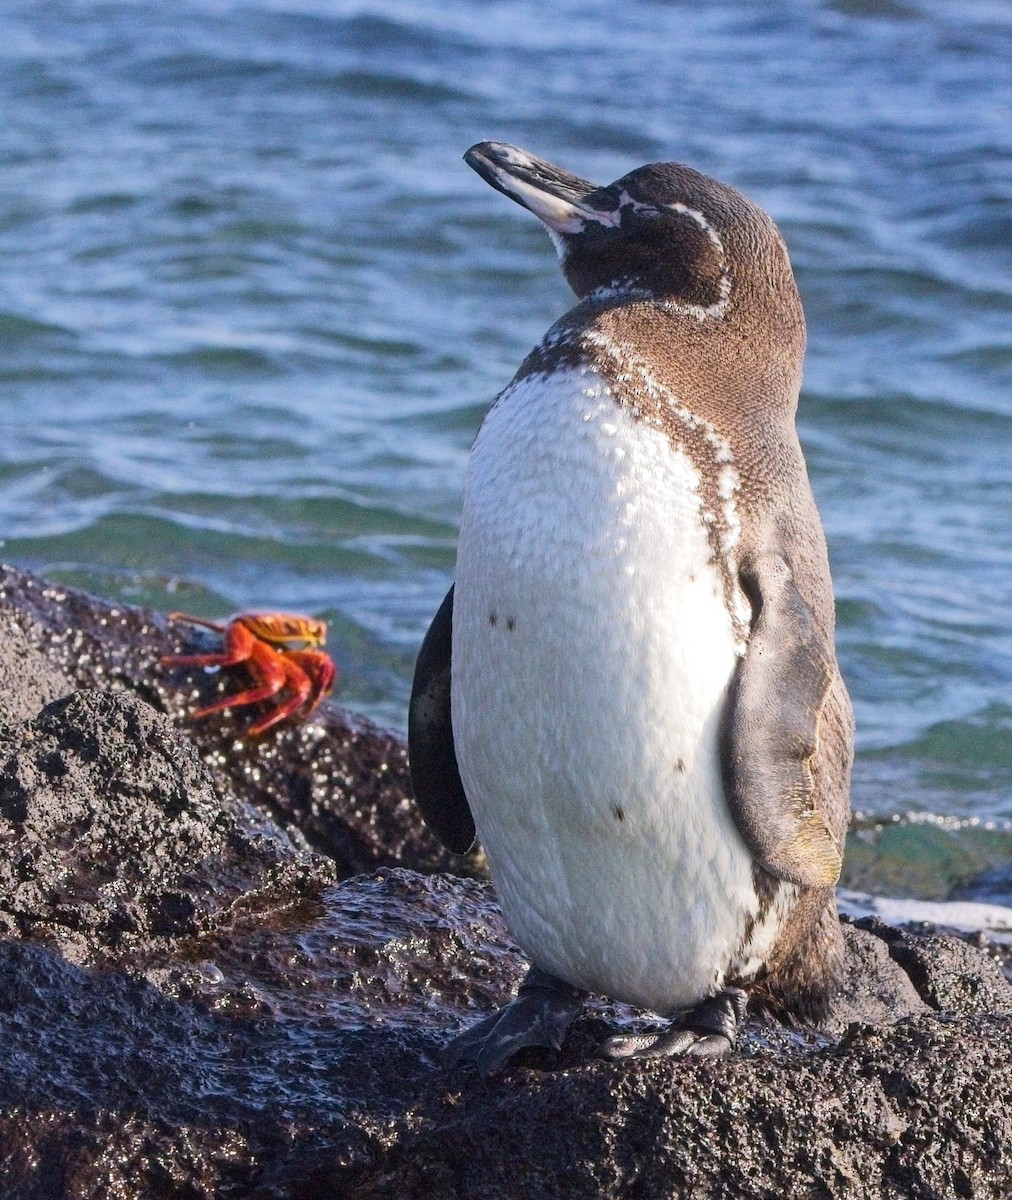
[{"x": 631, "y": 695}]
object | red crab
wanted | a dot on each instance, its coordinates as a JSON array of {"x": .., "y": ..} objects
[{"x": 261, "y": 642}]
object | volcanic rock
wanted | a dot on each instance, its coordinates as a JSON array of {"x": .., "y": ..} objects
[{"x": 197, "y": 1000}]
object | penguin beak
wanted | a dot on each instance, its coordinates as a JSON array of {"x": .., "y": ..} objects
[{"x": 562, "y": 201}]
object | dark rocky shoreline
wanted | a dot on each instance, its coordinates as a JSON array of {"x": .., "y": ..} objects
[{"x": 226, "y": 969}]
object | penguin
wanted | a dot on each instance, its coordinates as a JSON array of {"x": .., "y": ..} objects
[{"x": 630, "y": 695}]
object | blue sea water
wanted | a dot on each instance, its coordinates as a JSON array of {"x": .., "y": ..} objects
[{"x": 254, "y": 306}]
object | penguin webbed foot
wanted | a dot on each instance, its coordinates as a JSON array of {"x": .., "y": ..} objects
[
  {"x": 709, "y": 1030},
  {"x": 539, "y": 1016}
]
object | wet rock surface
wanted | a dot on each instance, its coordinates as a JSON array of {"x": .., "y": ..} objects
[
  {"x": 116, "y": 837},
  {"x": 195, "y": 1001}
]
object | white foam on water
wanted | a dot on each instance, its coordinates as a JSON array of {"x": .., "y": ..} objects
[{"x": 954, "y": 914}]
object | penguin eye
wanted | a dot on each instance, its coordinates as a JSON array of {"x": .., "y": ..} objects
[{"x": 635, "y": 213}]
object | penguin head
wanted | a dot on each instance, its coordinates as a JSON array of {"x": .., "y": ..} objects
[{"x": 663, "y": 231}]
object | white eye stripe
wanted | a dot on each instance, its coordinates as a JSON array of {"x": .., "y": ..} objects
[
  {"x": 695, "y": 215},
  {"x": 627, "y": 201}
]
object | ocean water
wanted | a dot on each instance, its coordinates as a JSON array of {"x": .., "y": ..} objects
[{"x": 254, "y": 307}]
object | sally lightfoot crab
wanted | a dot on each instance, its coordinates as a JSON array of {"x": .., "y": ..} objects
[{"x": 293, "y": 679}]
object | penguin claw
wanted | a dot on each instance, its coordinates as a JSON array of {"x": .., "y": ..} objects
[
  {"x": 677, "y": 1043},
  {"x": 539, "y": 1016},
  {"x": 707, "y": 1031}
]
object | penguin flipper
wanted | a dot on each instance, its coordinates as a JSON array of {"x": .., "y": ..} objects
[
  {"x": 781, "y": 691},
  {"x": 435, "y": 778}
]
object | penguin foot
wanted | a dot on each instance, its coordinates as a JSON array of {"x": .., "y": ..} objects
[
  {"x": 707, "y": 1031},
  {"x": 539, "y": 1016}
]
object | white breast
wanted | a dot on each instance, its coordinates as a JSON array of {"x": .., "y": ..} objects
[{"x": 592, "y": 652}]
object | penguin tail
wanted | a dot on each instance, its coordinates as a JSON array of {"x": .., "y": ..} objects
[{"x": 806, "y": 968}]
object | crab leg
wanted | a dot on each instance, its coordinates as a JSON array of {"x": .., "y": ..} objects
[
  {"x": 267, "y": 667},
  {"x": 296, "y": 679},
  {"x": 320, "y": 670},
  {"x": 239, "y": 645}
]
